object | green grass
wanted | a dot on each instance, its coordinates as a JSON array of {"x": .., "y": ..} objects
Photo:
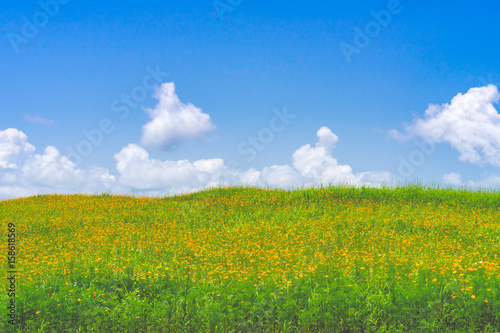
[{"x": 243, "y": 259}]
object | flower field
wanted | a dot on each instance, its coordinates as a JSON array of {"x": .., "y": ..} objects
[{"x": 241, "y": 259}]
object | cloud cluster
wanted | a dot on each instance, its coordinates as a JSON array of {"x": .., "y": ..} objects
[
  {"x": 173, "y": 121},
  {"x": 311, "y": 166},
  {"x": 137, "y": 170},
  {"x": 469, "y": 123},
  {"x": 23, "y": 172}
]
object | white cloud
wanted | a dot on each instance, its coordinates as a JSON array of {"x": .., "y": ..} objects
[
  {"x": 52, "y": 169},
  {"x": 140, "y": 172},
  {"x": 469, "y": 123},
  {"x": 14, "y": 148},
  {"x": 318, "y": 165},
  {"x": 38, "y": 120},
  {"x": 173, "y": 121},
  {"x": 24, "y": 173}
]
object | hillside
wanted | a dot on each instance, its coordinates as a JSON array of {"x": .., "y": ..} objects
[{"x": 248, "y": 259}]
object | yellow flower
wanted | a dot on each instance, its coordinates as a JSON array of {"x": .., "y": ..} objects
[
  {"x": 434, "y": 280},
  {"x": 472, "y": 296},
  {"x": 38, "y": 312}
]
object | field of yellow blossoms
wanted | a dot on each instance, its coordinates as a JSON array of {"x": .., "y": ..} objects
[{"x": 241, "y": 259}]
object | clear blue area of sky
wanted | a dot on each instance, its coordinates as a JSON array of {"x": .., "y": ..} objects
[{"x": 262, "y": 55}]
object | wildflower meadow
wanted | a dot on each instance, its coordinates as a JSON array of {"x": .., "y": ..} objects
[{"x": 244, "y": 259}]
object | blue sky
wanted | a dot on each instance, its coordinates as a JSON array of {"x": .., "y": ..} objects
[{"x": 356, "y": 79}]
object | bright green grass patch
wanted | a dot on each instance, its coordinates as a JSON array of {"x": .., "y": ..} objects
[{"x": 242, "y": 259}]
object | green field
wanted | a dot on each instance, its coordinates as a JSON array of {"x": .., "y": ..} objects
[{"x": 242, "y": 259}]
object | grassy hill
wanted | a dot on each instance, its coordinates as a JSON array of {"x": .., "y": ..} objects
[{"x": 335, "y": 259}]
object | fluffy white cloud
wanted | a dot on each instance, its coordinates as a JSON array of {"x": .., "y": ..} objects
[
  {"x": 469, "y": 123},
  {"x": 49, "y": 172},
  {"x": 173, "y": 121},
  {"x": 52, "y": 169},
  {"x": 14, "y": 148},
  {"x": 317, "y": 164}
]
